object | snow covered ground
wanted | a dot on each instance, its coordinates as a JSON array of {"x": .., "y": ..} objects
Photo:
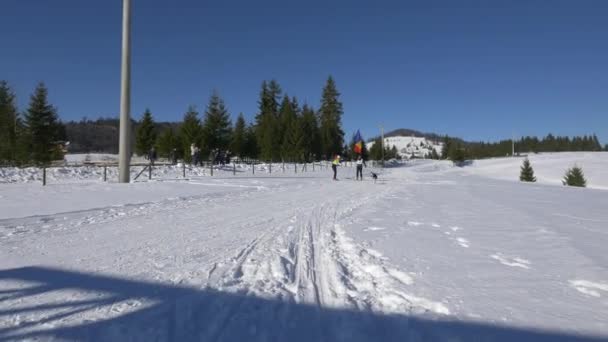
[
  {"x": 428, "y": 253},
  {"x": 549, "y": 168}
]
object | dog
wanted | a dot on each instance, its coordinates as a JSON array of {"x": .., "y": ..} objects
[{"x": 374, "y": 177}]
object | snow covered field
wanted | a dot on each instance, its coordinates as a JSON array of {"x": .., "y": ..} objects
[
  {"x": 429, "y": 253},
  {"x": 549, "y": 168}
]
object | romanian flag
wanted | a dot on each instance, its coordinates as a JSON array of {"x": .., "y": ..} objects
[{"x": 358, "y": 148}]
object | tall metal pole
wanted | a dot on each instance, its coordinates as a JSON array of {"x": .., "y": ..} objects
[
  {"x": 513, "y": 145},
  {"x": 124, "y": 155},
  {"x": 382, "y": 134}
]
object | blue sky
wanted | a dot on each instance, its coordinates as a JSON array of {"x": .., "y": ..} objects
[{"x": 479, "y": 70}]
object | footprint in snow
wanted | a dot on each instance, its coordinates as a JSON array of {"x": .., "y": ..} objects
[
  {"x": 414, "y": 223},
  {"x": 455, "y": 228},
  {"x": 435, "y": 225},
  {"x": 511, "y": 261},
  {"x": 589, "y": 287}
]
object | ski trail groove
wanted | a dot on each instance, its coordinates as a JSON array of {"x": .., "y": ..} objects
[{"x": 310, "y": 260}]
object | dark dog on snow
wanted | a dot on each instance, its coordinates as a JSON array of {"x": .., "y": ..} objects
[{"x": 375, "y": 177}]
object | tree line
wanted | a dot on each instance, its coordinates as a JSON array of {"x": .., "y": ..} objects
[
  {"x": 282, "y": 129},
  {"x": 34, "y": 136},
  {"x": 456, "y": 149}
]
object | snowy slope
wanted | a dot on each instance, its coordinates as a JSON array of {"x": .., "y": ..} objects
[
  {"x": 406, "y": 146},
  {"x": 429, "y": 253},
  {"x": 549, "y": 168}
]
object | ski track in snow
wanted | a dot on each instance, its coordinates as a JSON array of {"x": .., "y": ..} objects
[
  {"x": 316, "y": 263},
  {"x": 511, "y": 261},
  {"x": 590, "y": 288},
  {"x": 372, "y": 229},
  {"x": 462, "y": 242}
]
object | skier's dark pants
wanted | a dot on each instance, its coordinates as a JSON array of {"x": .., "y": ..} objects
[
  {"x": 333, "y": 167},
  {"x": 360, "y": 171}
]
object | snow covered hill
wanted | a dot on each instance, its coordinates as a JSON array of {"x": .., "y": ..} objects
[
  {"x": 549, "y": 168},
  {"x": 407, "y": 147},
  {"x": 430, "y": 252}
]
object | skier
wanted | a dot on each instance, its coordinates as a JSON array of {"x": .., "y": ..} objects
[
  {"x": 360, "y": 164},
  {"x": 152, "y": 155},
  {"x": 173, "y": 156},
  {"x": 193, "y": 154},
  {"x": 197, "y": 157},
  {"x": 334, "y": 165}
]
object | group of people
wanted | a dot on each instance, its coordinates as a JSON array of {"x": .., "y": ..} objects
[
  {"x": 152, "y": 156},
  {"x": 360, "y": 163},
  {"x": 215, "y": 156}
]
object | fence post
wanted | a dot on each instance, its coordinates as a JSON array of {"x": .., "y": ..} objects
[
  {"x": 234, "y": 169},
  {"x": 295, "y": 167},
  {"x": 283, "y": 166},
  {"x": 211, "y": 166},
  {"x": 270, "y": 167},
  {"x": 253, "y": 168},
  {"x": 43, "y": 176},
  {"x": 313, "y": 166},
  {"x": 184, "y": 168},
  {"x": 150, "y": 171},
  {"x": 105, "y": 173}
]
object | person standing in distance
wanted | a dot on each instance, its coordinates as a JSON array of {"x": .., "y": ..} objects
[
  {"x": 360, "y": 164},
  {"x": 334, "y": 166}
]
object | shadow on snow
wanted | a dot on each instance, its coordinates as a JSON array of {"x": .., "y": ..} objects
[{"x": 179, "y": 313}]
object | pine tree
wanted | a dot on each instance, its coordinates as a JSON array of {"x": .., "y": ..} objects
[
  {"x": 288, "y": 122},
  {"x": 434, "y": 154},
  {"x": 575, "y": 177},
  {"x": 527, "y": 172},
  {"x": 294, "y": 141},
  {"x": 375, "y": 152},
  {"x": 41, "y": 127},
  {"x": 276, "y": 133},
  {"x": 364, "y": 151},
  {"x": 8, "y": 124},
  {"x": 239, "y": 137},
  {"x": 251, "y": 143},
  {"x": 447, "y": 146},
  {"x": 310, "y": 134},
  {"x": 596, "y": 146},
  {"x": 394, "y": 153},
  {"x": 22, "y": 143},
  {"x": 457, "y": 153},
  {"x": 330, "y": 114},
  {"x": 216, "y": 126},
  {"x": 145, "y": 134},
  {"x": 190, "y": 132},
  {"x": 167, "y": 141},
  {"x": 267, "y": 126}
]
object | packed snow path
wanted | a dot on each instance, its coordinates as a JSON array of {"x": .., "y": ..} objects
[{"x": 425, "y": 254}]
